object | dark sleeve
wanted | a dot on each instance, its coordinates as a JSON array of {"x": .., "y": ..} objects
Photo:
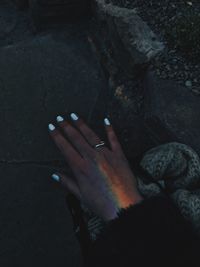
[{"x": 152, "y": 233}]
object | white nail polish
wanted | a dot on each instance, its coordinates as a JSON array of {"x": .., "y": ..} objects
[
  {"x": 55, "y": 177},
  {"x": 74, "y": 117},
  {"x": 106, "y": 121},
  {"x": 59, "y": 119},
  {"x": 51, "y": 127}
]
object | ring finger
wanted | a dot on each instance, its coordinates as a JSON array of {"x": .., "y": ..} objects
[{"x": 89, "y": 135}]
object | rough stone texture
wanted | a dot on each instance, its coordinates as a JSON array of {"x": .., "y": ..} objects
[
  {"x": 14, "y": 24},
  {"x": 21, "y": 4},
  {"x": 176, "y": 108},
  {"x": 135, "y": 45},
  {"x": 35, "y": 225},
  {"x": 37, "y": 83},
  {"x": 41, "y": 76},
  {"x": 48, "y": 11},
  {"x": 8, "y": 22}
]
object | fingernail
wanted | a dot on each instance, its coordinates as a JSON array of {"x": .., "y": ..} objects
[
  {"x": 74, "y": 117},
  {"x": 106, "y": 121},
  {"x": 51, "y": 127},
  {"x": 59, "y": 119},
  {"x": 55, "y": 177}
]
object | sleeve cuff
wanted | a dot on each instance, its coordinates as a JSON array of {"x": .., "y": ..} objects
[{"x": 151, "y": 230}]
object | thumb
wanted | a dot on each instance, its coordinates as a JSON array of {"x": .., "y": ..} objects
[{"x": 68, "y": 183}]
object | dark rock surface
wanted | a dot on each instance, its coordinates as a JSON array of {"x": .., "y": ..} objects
[
  {"x": 134, "y": 43},
  {"x": 46, "y": 11},
  {"x": 41, "y": 76},
  {"x": 40, "y": 79},
  {"x": 20, "y": 4},
  {"x": 35, "y": 225},
  {"x": 175, "y": 108},
  {"x": 14, "y": 24},
  {"x": 176, "y": 23}
]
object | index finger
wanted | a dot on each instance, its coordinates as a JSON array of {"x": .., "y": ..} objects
[
  {"x": 71, "y": 155},
  {"x": 91, "y": 137}
]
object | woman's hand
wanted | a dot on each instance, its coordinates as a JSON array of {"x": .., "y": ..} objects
[{"x": 103, "y": 180}]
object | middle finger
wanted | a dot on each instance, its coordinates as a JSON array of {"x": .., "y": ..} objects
[
  {"x": 76, "y": 138},
  {"x": 91, "y": 137}
]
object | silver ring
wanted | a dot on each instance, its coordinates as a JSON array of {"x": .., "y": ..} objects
[{"x": 100, "y": 144}]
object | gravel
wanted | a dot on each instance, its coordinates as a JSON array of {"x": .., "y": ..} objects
[{"x": 161, "y": 16}]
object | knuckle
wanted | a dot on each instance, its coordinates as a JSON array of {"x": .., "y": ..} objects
[
  {"x": 113, "y": 136},
  {"x": 69, "y": 130}
]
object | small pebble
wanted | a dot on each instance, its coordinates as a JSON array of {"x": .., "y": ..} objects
[
  {"x": 188, "y": 83},
  {"x": 162, "y": 16},
  {"x": 158, "y": 72},
  {"x": 186, "y": 67}
]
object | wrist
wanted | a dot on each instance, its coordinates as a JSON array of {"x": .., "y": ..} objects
[
  {"x": 123, "y": 203},
  {"x": 129, "y": 199}
]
